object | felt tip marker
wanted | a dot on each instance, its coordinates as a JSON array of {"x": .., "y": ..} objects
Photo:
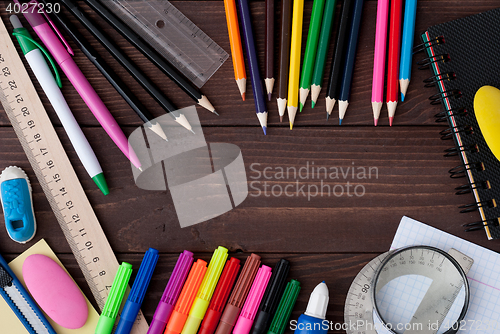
[
  {"x": 271, "y": 297},
  {"x": 249, "y": 310},
  {"x": 315, "y": 312},
  {"x": 285, "y": 308},
  {"x": 137, "y": 293},
  {"x": 219, "y": 299},
  {"x": 239, "y": 295},
  {"x": 186, "y": 298},
  {"x": 114, "y": 300},
  {"x": 204, "y": 295},
  {"x": 171, "y": 293}
]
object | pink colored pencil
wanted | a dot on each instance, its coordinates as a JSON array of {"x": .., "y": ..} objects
[{"x": 379, "y": 59}]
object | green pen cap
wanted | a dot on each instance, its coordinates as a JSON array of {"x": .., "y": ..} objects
[
  {"x": 285, "y": 308},
  {"x": 25, "y": 43},
  {"x": 114, "y": 300},
  {"x": 100, "y": 181}
]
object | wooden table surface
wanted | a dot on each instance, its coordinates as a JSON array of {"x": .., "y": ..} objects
[{"x": 325, "y": 238}]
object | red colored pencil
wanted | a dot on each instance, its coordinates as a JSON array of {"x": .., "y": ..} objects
[{"x": 393, "y": 61}]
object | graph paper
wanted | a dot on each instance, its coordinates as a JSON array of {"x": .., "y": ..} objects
[{"x": 483, "y": 315}]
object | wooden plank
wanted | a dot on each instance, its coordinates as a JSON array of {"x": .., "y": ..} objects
[
  {"x": 412, "y": 180},
  {"x": 222, "y": 90}
]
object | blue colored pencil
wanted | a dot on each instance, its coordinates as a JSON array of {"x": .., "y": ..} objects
[
  {"x": 350, "y": 58},
  {"x": 258, "y": 92},
  {"x": 407, "y": 46}
]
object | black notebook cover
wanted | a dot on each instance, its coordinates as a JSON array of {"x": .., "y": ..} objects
[{"x": 464, "y": 55}]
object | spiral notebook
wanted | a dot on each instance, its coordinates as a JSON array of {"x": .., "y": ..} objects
[{"x": 464, "y": 56}]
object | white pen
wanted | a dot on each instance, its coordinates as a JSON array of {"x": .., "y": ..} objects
[{"x": 42, "y": 72}]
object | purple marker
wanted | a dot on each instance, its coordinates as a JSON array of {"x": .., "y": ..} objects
[{"x": 171, "y": 293}]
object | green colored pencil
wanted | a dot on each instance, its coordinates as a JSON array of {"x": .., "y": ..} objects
[
  {"x": 310, "y": 54},
  {"x": 323, "y": 44}
]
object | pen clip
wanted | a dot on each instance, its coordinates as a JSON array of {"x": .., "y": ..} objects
[
  {"x": 58, "y": 33},
  {"x": 58, "y": 78}
]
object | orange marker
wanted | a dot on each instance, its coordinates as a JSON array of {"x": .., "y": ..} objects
[
  {"x": 186, "y": 298},
  {"x": 233, "y": 29}
]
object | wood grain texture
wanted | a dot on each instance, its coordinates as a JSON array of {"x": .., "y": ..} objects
[{"x": 325, "y": 237}]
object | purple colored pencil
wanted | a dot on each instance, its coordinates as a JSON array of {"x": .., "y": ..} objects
[
  {"x": 171, "y": 293},
  {"x": 258, "y": 92}
]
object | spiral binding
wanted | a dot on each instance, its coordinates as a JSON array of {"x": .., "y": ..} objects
[{"x": 449, "y": 133}]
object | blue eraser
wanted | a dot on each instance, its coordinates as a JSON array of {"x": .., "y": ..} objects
[{"x": 17, "y": 204}]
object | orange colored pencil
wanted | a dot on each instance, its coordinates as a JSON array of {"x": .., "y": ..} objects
[
  {"x": 233, "y": 29},
  {"x": 186, "y": 298}
]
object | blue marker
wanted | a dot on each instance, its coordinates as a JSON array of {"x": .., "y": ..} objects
[
  {"x": 313, "y": 320},
  {"x": 407, "y": 46},
  {"x": 137, "y": 293}
]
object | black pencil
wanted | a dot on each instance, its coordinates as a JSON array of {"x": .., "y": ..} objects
[
  {"x": 335, "y": 72},
  {"x": 151, "y": 54},
  {"x": 108, "y": 73},
  {"x": 149, "y": 86}
]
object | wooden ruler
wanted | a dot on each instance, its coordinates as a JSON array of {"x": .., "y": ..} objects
[{"x": 56, "y": 175}]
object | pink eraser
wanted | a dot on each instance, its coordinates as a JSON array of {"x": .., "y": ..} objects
[{"x": 55, "y": 291}]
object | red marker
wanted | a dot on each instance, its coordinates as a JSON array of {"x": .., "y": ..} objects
[{"x": 219, "y": 299}]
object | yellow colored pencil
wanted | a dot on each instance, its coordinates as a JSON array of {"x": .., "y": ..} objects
[{"x": 294, "y": 74}]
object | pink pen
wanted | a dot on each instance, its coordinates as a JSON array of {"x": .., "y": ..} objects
[
  {"x": 62, "y": 55},
  {"x": 249, "y": 310},
  {"x": 379, "y": 58}
]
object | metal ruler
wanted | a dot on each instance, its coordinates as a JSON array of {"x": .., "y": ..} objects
[
  {"x": 173, "y": 35},
  {"x": 56, "y": 175},
  {"x": 425, "y": 261}
]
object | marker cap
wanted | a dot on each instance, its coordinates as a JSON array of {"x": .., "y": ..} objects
[
  {"x": 221, "y": 294},
  {"x": 318, "y": 302},
  {"x": 138, "y": 291},
  {"x": 114, "y": 300},
  {"x": 285, "y": 308}
]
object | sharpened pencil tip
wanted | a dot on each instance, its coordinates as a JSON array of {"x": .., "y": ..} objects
[
  {"x": 192, "y": 131},
  {"x": 139, "y": 168},
  {"x": 327, "y": 116},
  {"x": 243, "y": 96},
  {"x": 301, "y": 106},
  {"x": 390, "y": 120},
  {"x": 215, "y": 112},
  {"x": 269, "y": 96},
  {"x": 281, "y": 119},
  {"x": 313, "y": 104},
  {"x": 340, "y": 121},
  {"x": 375, "y": 121},
  {"x": 402, "y": 97},
  {"x": 291, "y": 125},
  {"x": 264, "y": 128}
]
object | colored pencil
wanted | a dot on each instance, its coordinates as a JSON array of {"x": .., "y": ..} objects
[
  {"x": 407, "y": 46},
  {"x": 286, "y": 25},
  {"x": 295, "y": 48},
  {"x": 132, "y": 37},
  {"x": 338, "y": 58},
  {"x": 269, "y": 75},
  {"x": 350, "y": 58},
  {"x": 323, "y": 44},
  {"x": 393, "y": 58},
  {"x": 310, "y": 53},
  {"x": 258, "y": 94},
  {"x": 379, "y": 58},
  {"x": 233, "y": 29}
]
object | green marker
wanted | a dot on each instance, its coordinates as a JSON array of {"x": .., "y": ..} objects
[
  {"x": 323, "y": 44},
  {"x": 285, "y": 308},
  {"x": 114, "y": 300},
  {"x": 310, "y": 54}
]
